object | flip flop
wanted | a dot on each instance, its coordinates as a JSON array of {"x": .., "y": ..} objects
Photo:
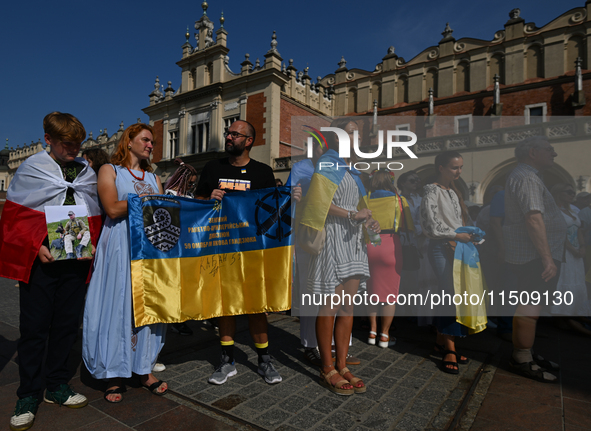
[
  {"x": 152, "y": 388},
  {"x": 118, "y": 390}
]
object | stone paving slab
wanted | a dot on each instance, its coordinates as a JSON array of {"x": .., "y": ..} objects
[{"x": 406, "y": 389}]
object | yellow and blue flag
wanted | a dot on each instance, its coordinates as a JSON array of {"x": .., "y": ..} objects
[
  {"x": 193, "y": 259},
  {"x": 324, "y": 184},
  {"x": 467, "y": 276}
]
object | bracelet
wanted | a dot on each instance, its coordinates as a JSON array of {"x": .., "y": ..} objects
[{"x": 350, "y": 216}]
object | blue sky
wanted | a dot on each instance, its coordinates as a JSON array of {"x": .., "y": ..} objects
[{"x": 99, "y": 60}]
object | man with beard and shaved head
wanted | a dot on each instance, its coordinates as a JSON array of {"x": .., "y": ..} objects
[{"x": 239, "y": 172}]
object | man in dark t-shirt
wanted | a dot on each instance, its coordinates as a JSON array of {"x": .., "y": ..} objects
[{"x": 238, "y": 172}]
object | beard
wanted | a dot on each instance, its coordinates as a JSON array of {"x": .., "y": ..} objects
[{"x": 234, "y": 150}]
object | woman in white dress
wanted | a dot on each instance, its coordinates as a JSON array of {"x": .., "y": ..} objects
[{"x": 571, "y": 288}]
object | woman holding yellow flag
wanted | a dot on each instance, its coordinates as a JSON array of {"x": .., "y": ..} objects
[
  {"x": 385, "y": 262},
  {"x": 443, "y": 212},
  {"x": 335, "y": 204}
]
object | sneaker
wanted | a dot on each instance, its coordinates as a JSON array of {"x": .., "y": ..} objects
[
  {"x": 70, "y": 256},
  {"x": 158, "y": 367},
  {"x": 65, "y": 396},
  {"x": 313, "y": 356},
  {"x": 223, "y": 371},
  {"x": 181, "y": 329},
  {"x": 268, "y": 371},
  {"x": 24, "y": 414},
  {"x": 79, "y": 248}
]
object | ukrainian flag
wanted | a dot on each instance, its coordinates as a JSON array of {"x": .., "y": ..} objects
[
  {"x": 324, "y": 184},
  {"x": 193, "y": 259},
  {"x": 390, "y": 210},
  {"x": 467, "y": 276}
]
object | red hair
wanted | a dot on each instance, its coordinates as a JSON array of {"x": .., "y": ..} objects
[{"x": 121, "y": 155}]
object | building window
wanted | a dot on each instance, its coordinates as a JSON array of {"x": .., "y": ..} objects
[
  {"x": 173, "y": 144},
  {"x": 535, "y": 114},
  {"x": 198, "y": 133},
  {"x": 403, "y": 127},
  {"x": 402, "y": 89},
  {"x": 535, "y": 62},
  {"x": 228, "y": 122},
  {"x": 463, "y": 124}
]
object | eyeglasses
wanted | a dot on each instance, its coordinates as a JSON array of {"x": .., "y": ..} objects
[
  {"x": 235, "y": 135},
  {"x": 569, "y": 192}
]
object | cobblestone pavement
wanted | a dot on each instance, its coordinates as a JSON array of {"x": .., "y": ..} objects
[{"x": 406, "y": 389}]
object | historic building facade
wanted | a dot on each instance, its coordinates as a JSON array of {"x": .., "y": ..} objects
[
  {"x": 479, "y": 97},
  {"x": 525, "y": 81}
]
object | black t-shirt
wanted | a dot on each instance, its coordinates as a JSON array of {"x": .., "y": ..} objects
[{"x": 220, "y": 174}]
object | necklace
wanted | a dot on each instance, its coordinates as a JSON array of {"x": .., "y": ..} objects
[{"x": 137, "y": 178}]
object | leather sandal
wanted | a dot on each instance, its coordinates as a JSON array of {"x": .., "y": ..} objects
[
  {"x": 439, "y": 349},
  {"x": 336, "y": 388},
  {"x": 117, "y": 391},
  {"x": 544, "y": 363},
  {"x": 354, "y": 381},
  {"x": 526, "y": 369},
  {"x": 444, "y": 364}
]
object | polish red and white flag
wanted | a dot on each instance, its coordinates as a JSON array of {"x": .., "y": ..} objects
[{"x": 37, "y": 183}]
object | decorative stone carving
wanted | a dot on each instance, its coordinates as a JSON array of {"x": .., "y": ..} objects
[
  {"x": 520, "y": 135},
  {"x": 530, "y": 28},
  {"x": 447, "y": 32},
  {"x": 487, "y": 139},
  {"x": 350, "y": 76},
  {"x": 514, "y": 14},
  {"x": 431, "y": 102},
  {"x": 342, "y": 63},
  {"x": 433, "y": 54},
  {"x": 578, "y": 17},
  {"x": 400, "y": 61},
  {"x": 427, "y": 147},
  {"x": 391, "y": 50},
  {"x": 230, "y": 106},
  {"x": 273, "y": 49},
  {"x": 378, "y": 68},
  {"x": 561, "y": 130},
  {"x": 460, "y": 142},
  {"x": 499, "y": 36},
  {"x": 459, "y": 47}
]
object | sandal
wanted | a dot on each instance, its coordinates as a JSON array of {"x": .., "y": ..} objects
[
  {"x": 387, "y": 343},
  {"x": 336, "y": 388},
  {"x": 118, "y": 391},
  {"x": 354, "y": 381},
  {"x": 444, "y": 364},
  {"x": 544, "y": 363},
  {"x": 152, "y": 388},
  {"x": 372, "y": 340},
  {"x": 526, "y": 369},
  {"x": 439, "y": 349}
]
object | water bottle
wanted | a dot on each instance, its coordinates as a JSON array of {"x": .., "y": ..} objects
[{"x": 374, "y": 237}]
